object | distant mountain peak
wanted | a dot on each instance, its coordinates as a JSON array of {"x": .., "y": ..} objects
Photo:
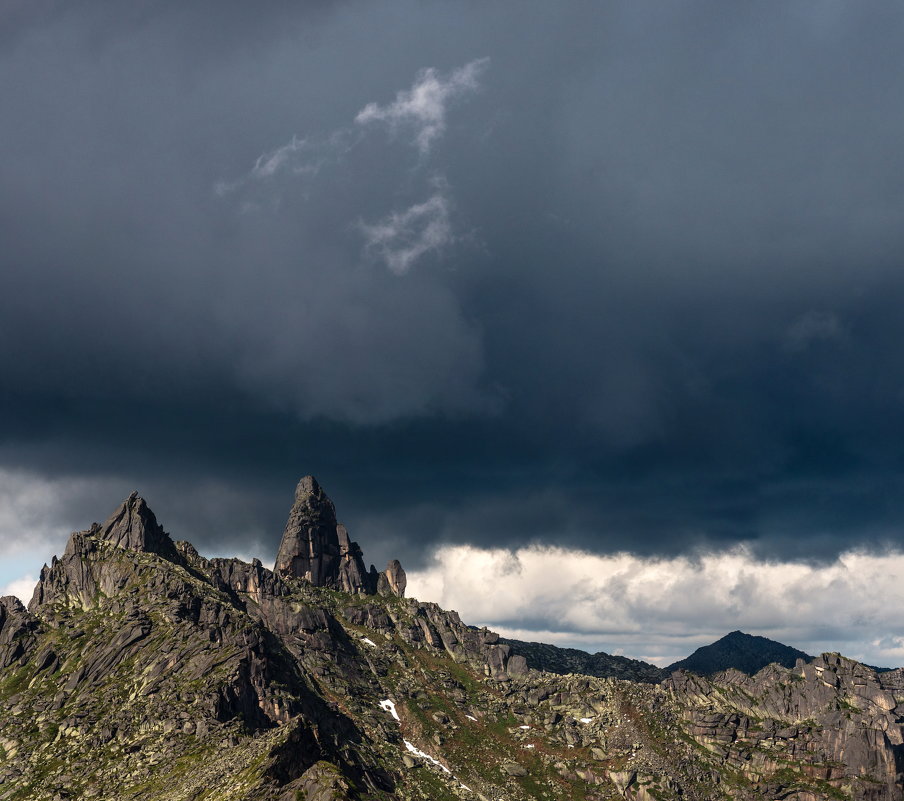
[{"x": 748, "y": 653}]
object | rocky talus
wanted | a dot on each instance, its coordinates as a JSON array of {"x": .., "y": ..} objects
[{"x": 142, "y": 670}]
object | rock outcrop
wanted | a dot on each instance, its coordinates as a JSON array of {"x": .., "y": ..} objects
[
  {"x": 317, "y": 549},
  {"x": 17, "y": 628},
  {"x": 840, "y": 723},
  {"x": 393, "y": 580},
  {"x": 90, "y": 563}
]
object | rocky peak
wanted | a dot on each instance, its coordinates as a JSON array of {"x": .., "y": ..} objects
[
  {"x": 79, "y": 574},
  {"x": 9, "y": 605},
  {"x": 134, "y": 527},
  {"x": 317, "y": 549}
]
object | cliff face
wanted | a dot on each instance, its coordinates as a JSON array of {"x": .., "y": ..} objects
[{"x": 142, "y": 670}]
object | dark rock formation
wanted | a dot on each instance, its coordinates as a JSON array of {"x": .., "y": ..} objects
[
  {"x": 317, "y": 549},
  {"x": 17, "y": 631},
  {"x": 739, "y": 651}
]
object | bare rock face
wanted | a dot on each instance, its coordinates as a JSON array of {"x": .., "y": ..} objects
[
  {"x": 393, "y": 580},
  {"x": 840, "y": 720},
  {"x": 135, "y": 677},
  {"x": 316, "y": 548}
]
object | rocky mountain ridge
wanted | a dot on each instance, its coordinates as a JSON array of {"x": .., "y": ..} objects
[
  {"x": 553, "y": 659},
  {"x": 142, "y": 670}
]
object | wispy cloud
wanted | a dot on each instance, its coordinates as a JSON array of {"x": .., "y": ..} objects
[
  {"x": 401, "y": 238},
  {"x": 284, "y": 157},
  {"x": 661, "y": 609},
  {"x": 422, "y": 108},
  {"x": 296, "y": 157}
]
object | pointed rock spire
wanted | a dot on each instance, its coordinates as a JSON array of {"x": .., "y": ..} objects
[
  {"x": 133, "y": 526},
  {"x": 316, "y": 548}
]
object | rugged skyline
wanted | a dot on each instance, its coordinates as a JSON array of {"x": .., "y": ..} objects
[{"x": 600, "y": 278}]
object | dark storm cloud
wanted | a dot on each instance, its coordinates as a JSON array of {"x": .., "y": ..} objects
[{"x": 641, "y": 288}]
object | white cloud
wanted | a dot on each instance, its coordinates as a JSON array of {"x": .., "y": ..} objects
[
  {"x": 423, "y": 106},
  {"x": 402, "y": 238},
  {"x": 661, "y": 609},
  {"x": 22, "y": 588}
]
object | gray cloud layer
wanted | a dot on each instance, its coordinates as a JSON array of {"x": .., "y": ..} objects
[{"x": 635, "y": 283}]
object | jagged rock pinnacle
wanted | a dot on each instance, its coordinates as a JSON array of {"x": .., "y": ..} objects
[
  {"x": 316, "y": 548},
  {"x": 133, "y": 526}
]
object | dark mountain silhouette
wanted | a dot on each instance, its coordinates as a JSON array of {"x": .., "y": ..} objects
[
  {"x": 745, "y": 652},
  {"x": 552, "y": 659}
]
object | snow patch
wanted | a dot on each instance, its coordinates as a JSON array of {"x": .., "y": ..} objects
[
  {"x": 389, "y": 706},
  {"x": 417, "y": 752}
]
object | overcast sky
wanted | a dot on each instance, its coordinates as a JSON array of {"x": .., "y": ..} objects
[{"x": 623, "y": 280}]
